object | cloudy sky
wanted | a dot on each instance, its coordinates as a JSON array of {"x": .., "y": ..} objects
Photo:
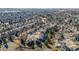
[{"x": 39, "y": 3}]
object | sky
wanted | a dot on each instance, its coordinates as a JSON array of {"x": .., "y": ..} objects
[{"x": 39, "y": 3}]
